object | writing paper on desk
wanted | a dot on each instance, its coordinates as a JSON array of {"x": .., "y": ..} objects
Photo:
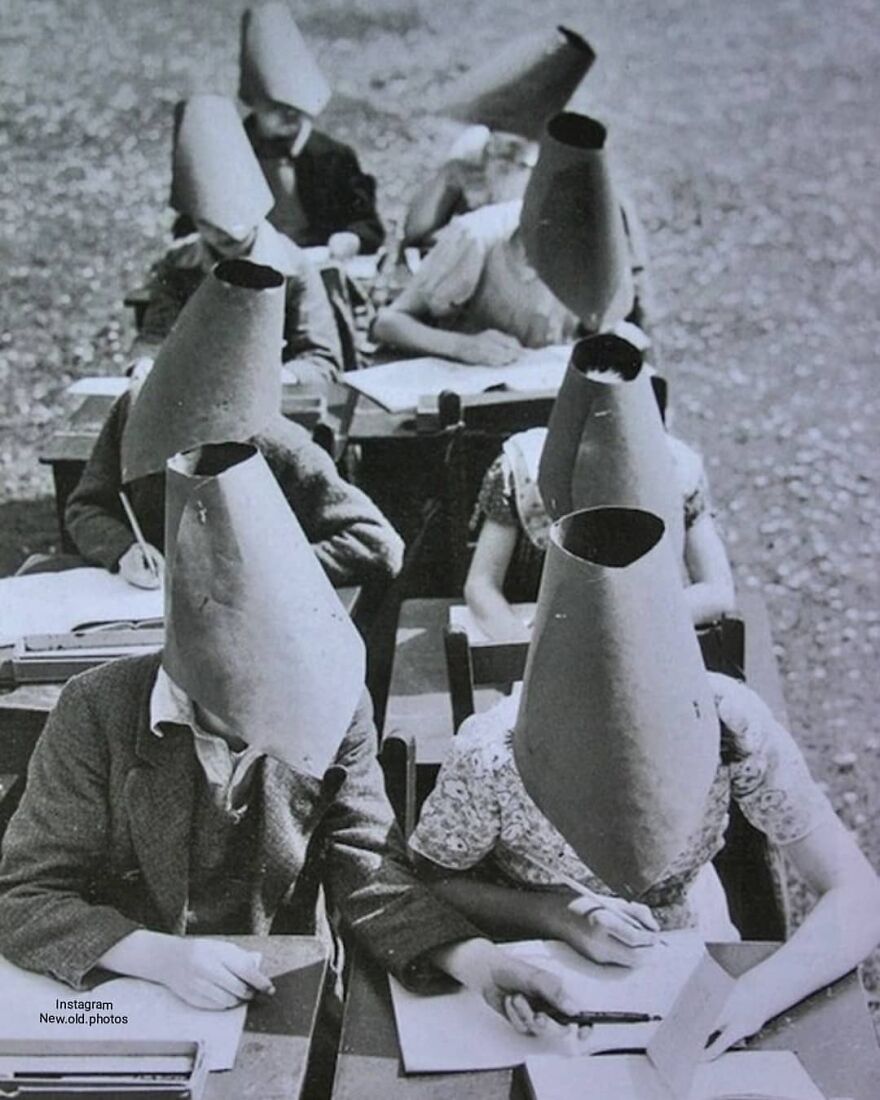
[
  {"x": 50, "y": 603},
  {"x": 398, "y": 386},
  {"x": 758, "y": 1075},
  {"x": 152, "y": 1012},
  {"x": 458, "y": 1031}
]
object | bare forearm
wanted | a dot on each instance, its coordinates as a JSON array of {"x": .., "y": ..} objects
[
  {"x": 137, "y": 955},
  {"x": 503, "y": 912},
  {"x": 401, "y": 330},
  {"x": 494, "y": 614},
  {"x": 710, "y": 601}
]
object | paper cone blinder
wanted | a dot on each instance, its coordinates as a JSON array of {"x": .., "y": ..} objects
[
  {"x": 276, "y": 64},
  {"x": 606, "y": 443},
  {"x": 254, "y": 632},
  {"x": 572, "y": 224},
  {"x": 218, "y": 373},
  {"x": 216, "y": 176},
  {"x": 617, "y": 737},
  {"x": 522, "y": 86}
]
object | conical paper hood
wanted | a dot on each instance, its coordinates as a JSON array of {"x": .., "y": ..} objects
[
  {"x": 606, "y": 443},
  {"x": 216, "y": 176},
  {"x": 276, "y": 63},
  {"x": 572, "y": 224},
  {"x": 616, "y": 739},
  {"x": 522, "y": 86},
  {"x": 217, "y": 375},
  {"x": 254, "y": 632}
]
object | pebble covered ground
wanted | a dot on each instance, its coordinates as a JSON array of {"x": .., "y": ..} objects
[{"x": 746, "y": 133}]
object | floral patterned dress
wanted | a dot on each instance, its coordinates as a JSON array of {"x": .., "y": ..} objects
[{"x": 480, "y": 810}]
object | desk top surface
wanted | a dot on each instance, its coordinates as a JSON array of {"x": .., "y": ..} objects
[
  {"x": 274, "y": 1048},
  {"x": 831, "y": 1032}
]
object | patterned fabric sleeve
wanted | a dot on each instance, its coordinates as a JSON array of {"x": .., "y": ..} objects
[
  {"x": 460, "y": 821},
  {"x": 496, "y": 500},
  {"x": 450, "y": 274},
  {"x": 770, "y": 779}
]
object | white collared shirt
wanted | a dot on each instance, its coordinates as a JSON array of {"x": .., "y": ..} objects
[{"x": 228, "y": 773}]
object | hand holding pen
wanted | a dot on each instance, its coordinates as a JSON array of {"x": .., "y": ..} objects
[{"x": 141, "y": 564}]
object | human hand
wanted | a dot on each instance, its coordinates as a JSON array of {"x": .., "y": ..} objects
[
  {"x": 490, "y": 348},
  {"x": 508, "y": 984},
  {"x": 609, "y": 930},
  {"x": 209, "y": 973},
  {"x": 741, "y": 1016},
  {"x": 141, "y": 571},
  {"x": 344, "y": 245}
]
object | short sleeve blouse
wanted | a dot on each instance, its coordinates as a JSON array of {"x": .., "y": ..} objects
[{"x": 480, "y": 807}]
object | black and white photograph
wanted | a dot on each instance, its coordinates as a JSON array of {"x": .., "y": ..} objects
[{"x": 439, "y": 525}]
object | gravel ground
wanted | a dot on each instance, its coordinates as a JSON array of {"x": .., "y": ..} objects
[{"x": 744, "y": 133}]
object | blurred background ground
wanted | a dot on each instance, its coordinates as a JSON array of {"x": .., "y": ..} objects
[{"x": 747, "y": 134}]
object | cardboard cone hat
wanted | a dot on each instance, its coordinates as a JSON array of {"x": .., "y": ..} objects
[
  {"x": 572, "y": 224},
  {"x": 606, "y": 442},
  {"x": 521, "y": 86},
  {"x": 616, "y": 738},
  {"x": 218, "y": 373},
  {"x": 215, "y": 174},
  {"x": 254, "y": 632},
  {"x": 276, "y": 63}
]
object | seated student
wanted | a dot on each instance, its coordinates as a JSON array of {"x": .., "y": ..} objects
[
  {"x": 217, "y": 376},
  {"x": 478, "y": 298},
  {"x": 516, "y": 523},
  {"x": 506, "y": 101},
  {"x": 221, "y": 788},
  {"x": 611, "y": 759},
  {"x": 216, "y": 181},
  {"x": 321, "y": 195}
]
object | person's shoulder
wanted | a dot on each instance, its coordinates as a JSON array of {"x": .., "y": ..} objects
[
  {"x": 490, "y": 223},
  {"x": 487, "y": 737},
  {"x": 284, "y": 441},
  {"x": 688, "y": 462},
  {"x": 111, "y": 691}
]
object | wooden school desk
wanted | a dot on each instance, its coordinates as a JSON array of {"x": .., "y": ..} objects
[
  {"x": 831, "y": 1032},
  {"x": 274, "y": 1049}
]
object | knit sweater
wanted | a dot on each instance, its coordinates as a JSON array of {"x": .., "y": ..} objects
[
  {"x": 351, "y": 538},
  {"x": 101, "y": 842}
]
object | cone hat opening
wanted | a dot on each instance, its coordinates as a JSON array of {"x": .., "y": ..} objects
[
  {"x": 616, "y": 738},
  {"x": 248, "y": 275},
  {"x": 612, "y": 538},
  {"x": 577, "y": 131},
  {"x": 607, "y": 354},
  {"x": 252, "y": 622}
]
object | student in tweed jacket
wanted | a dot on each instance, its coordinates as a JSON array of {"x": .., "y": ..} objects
[
  {"x": 100, "y": 845},
  {"x": 351, "y": 538}
]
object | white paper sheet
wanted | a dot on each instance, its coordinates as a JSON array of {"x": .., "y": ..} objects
[
  {"x": 105, "y": 385},
  {"x": 398, "y": 386},
  {"x": 153, "y": 1012},
  {"x": 777, "y": 1075},
  {"x": 46, "y": 603},
  {"x": 458, "y": 1031}
]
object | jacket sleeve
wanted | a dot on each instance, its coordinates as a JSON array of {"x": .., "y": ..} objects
[
  {"x": 310, "y": 332},
  {"x": 353, "y": 541},
  {"x": 55, "y": 846},
  {"x": 385, "y": 907},
  {"x": 94, "y": 515}
]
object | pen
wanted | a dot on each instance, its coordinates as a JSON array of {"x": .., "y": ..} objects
[
  {"x": 585, "y": 892},
  {"x": 590, "y": 1017},
  {"x": 138, "y": 533}
]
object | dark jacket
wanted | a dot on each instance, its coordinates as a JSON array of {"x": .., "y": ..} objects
[
  {"x": 351, "y": 538},
  {"x": 100, "y": 844}
]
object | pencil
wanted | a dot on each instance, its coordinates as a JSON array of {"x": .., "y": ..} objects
[
  {"x": 138, "y": 533},
  {"x": 584, "y": 891}
]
